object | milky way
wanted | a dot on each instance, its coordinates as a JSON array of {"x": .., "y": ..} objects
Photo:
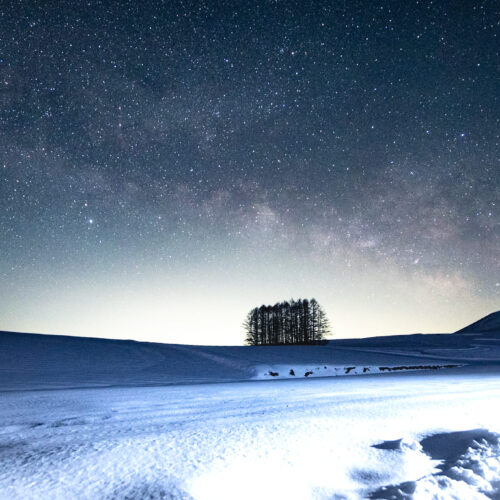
[{"x": 167, "y": 166}]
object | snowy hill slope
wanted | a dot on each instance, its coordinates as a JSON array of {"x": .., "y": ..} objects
[
  {"x": 54, "y": 361},
  {"x": 490, "y": 323},
  {"x": 411, "y": 434}
]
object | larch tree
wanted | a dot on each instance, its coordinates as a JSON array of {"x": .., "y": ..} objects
[{"x": 295, "y": 322}]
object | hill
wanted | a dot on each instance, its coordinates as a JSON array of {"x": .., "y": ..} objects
[
  {"x": 490, "y": 323},
  {"x": 31, "y": 361}
]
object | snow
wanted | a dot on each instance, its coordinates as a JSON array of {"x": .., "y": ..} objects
[
  {"x": 30, "y": 361},
  {"x": 490, "y": 323},
  {"x": 266, "y": 372},
  {"x": 91, "y": 418},
  {"x": 305, "y": 438}
]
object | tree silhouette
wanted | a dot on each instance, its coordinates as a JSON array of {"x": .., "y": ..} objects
[{"x": 296, "y": 322}]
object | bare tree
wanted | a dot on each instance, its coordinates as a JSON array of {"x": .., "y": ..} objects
[{"x": 295, "y": 322}]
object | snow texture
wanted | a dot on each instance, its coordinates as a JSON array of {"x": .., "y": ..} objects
[
  {"x": 298, "y": 371},
  {"x": 91, "y": 418}
]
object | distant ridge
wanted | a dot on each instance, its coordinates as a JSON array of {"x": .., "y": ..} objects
[{"x": 490, "y": 323}]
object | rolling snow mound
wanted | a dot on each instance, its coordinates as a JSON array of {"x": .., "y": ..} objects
[
  {"x": 469, "y": 466},
  {"x": 32, "y": 361}
]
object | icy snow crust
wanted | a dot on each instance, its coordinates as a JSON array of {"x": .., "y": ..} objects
[{"x": 92, "y": 418}]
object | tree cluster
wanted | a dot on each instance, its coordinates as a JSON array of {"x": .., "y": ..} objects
[{"x": 296, "y": 322}]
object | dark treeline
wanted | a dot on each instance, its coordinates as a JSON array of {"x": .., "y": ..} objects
[{"x": 296, "y": 322}]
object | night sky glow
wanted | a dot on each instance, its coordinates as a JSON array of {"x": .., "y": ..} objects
[{"x": 167, "y": 166}]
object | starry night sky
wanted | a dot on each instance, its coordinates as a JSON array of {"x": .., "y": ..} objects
[{"x": 166, "y": 166}]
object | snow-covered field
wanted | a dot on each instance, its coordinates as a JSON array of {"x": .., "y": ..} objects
[{"x": 77, "y": 427}]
